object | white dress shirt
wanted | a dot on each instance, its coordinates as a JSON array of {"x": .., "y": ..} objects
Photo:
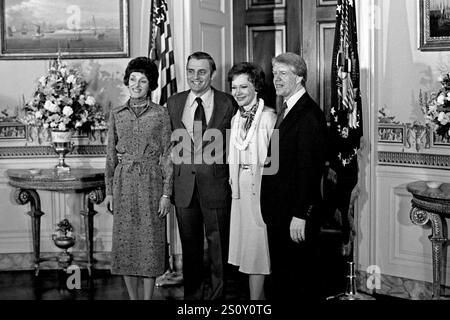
[
  {"x": 191, "y": 106},
  {"x": 293, "y": 100}
]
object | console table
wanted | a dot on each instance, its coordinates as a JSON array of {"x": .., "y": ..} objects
[
  {"x": 431, "y": 203},
  {"x": 89, "y": 182}
]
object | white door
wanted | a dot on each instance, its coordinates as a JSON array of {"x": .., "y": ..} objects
[{"x": 211, "y": 28}]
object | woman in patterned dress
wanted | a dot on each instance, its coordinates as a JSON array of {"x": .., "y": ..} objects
[
  {"x": 139, "y": 178},
  {"x": 251, "y": 129}
]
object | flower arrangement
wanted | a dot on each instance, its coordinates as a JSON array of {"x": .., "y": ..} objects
[
  {"x": 436, "y": 107},
  {"x": 64, "y": 229},
  {"x": 61, "y": 102},
  {"x": 384, "y": 116}
]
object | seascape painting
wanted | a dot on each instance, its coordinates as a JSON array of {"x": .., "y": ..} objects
[
  {"x": 76, "y": 28},
  {"x": 439, "y": 18},
  {"x": 434, "y": 22}
]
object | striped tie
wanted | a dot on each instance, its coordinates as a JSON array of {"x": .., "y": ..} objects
[{"x": 280, "y": 115}]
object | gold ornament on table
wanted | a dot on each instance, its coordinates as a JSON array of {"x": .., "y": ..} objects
[
  {"x": 62, "y": 104},
  {"x": 62, "y": 143},
  {"x": 64, "y": 239}
]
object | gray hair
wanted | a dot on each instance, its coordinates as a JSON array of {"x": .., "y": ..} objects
[{"x": 296, "y": 62}]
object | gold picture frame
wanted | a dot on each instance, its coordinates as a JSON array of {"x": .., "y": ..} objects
[
  {"x": 12, "y": 131},
  {"x": 434, "y": 25},
  {"x": 76, "y": 28},
  {"x": 390, "y": 133}
]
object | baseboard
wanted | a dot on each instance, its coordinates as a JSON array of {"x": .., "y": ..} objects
[
  {"x": 400, "y": 287},
  {"x": 25, "y": 261}
]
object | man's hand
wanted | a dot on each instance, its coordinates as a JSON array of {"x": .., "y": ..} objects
[
  {"x": 109, "y": 203},
  {"x": 297, "y": 229}
]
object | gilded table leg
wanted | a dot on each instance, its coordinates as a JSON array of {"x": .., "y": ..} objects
[
  {"x": 421, "y": 217},
  {"x": 88, "y": 213},
  {"x": 438, "y": 241},
  {"x": 22, "y": 197}
]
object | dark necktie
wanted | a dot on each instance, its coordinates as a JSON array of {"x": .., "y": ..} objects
[
  {"x": 200, "y": 115},
  {"x": 280, "y": 115}
]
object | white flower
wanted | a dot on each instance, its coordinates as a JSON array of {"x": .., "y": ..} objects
[
  {"x": 71, "y": 79},
  {"x": 50, "y": 106},
  {"x": 62, "y": 126},
  {"x": 90, "y": 101},
  {"x": 55, "y": 102},
  {"x": 440, "y": 100},
  {"x": 443, "y": 118},
  {"x": 440, "y": 79},
  {"x": 42, "y": 80},
  {"x": 67, "y": 111}
]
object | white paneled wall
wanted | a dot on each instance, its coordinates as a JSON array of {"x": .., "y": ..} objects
[
  {"x": 212, "y": 33},
  {"x": 15, "y": 224},
  {"x": 402, "y": 248}
]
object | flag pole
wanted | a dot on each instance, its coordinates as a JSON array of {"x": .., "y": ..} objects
[
  {"x": 345, "y": 136},
  {"x": 161, "y": 51}
]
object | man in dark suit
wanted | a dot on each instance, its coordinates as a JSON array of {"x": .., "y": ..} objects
[
  {"x": 291, "y": 197},
  {"x": 200, "y": 118}
]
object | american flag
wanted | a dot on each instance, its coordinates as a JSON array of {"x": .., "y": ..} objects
[
  {"x": 345, "y": 116},
  {"x": 161, "y": 51}
]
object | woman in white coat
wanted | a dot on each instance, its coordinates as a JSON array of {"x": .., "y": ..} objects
[{"x": 251, "y": 129}]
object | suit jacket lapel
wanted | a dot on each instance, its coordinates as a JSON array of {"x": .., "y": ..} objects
[
  {"x": 293, "y": 114},
  {"x": 180, "y": 108},
  {"x": 178, "y": 113},
  {"x": 217, "y": 115}
]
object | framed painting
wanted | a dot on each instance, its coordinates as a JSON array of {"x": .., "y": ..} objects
[
  {"x": 12, "y": 130},
  {"x": 266, "y": 3},
  {"x": 324, "y": 3},
  {"x": 391, "y": 133},
  {"x": 434, "y": 25},
  {"x": 76, "y": 28}
]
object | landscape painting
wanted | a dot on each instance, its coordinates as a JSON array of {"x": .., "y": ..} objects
[{"x": 39, "y": 29}]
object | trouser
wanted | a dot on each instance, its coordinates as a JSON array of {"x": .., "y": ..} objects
[
  {"x": 194, "y": 222},
  {"x": 294, "y": 266}
]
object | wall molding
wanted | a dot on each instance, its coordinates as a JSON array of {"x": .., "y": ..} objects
[
  {"x": 399, "y": 287},
  {"x": 420, "y": 160},
  {"x": 25, "y": 261},
  {"x": 21, "y": 152}
]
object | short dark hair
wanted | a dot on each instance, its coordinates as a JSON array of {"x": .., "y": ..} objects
[
  {"x": 254, "y": 72},
  {"x": 297, "y": 63},
  {"x": 145, "y": 66},
  {"x": 199, "y": 55}
]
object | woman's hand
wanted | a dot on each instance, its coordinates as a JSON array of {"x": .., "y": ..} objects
[
  {"x": 109, "y": 203},
  {"x": 164, "y": 207}
]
